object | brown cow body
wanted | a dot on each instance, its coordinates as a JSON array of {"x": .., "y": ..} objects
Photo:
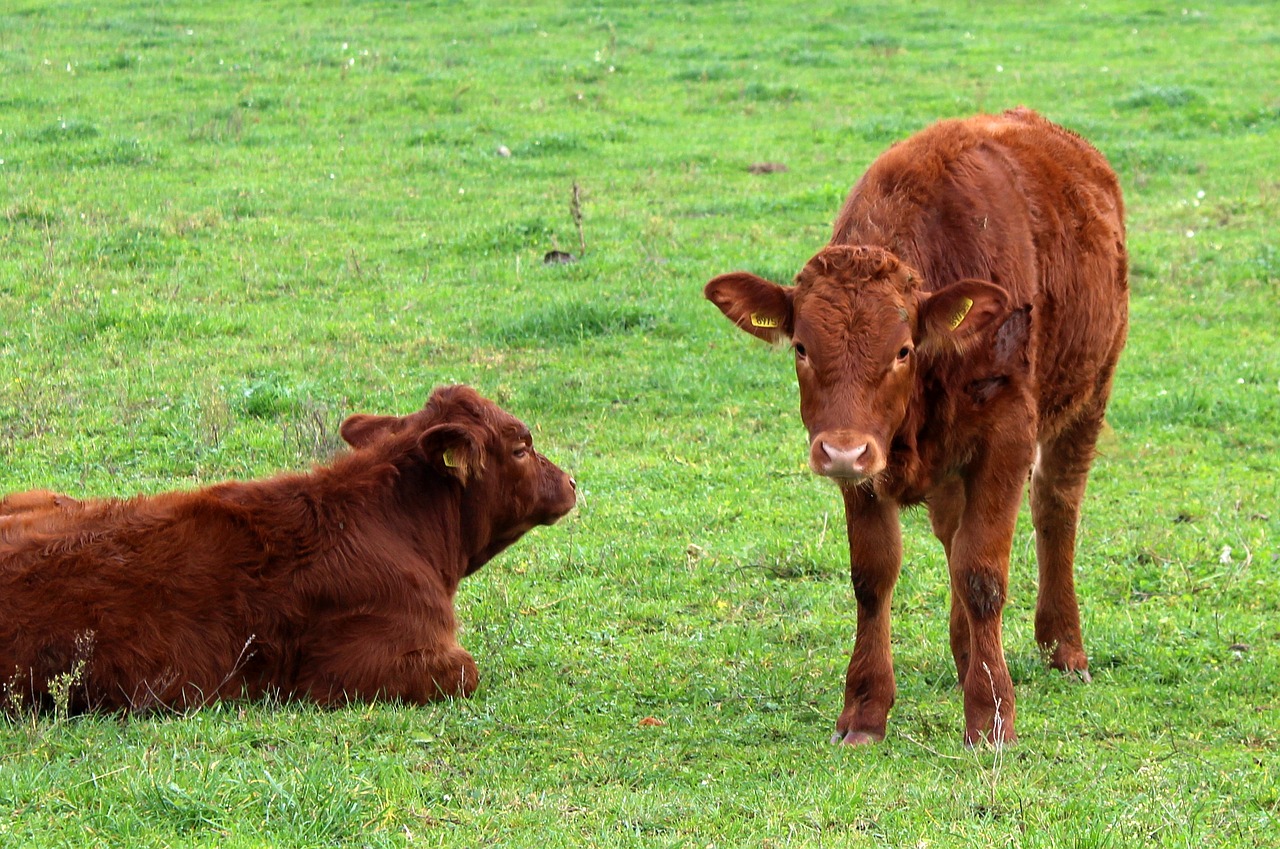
[
  {"x": 334, "y": 585},
  {"x": 960, "y": 331}
]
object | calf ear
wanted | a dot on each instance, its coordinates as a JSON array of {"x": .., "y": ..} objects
[
  {"x": 754, "y": 304},
  {"x": 453, "y": 451},
  {"x": 957, "y": 315},
  {"x": 361, "y": 429}
]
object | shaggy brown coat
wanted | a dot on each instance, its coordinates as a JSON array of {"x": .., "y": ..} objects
[
  {"x": 334, "y": 585},
  {"x": 960, "y": 332}
]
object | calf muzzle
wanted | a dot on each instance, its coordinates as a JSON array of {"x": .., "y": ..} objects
[{"x": 846, "y": 456}]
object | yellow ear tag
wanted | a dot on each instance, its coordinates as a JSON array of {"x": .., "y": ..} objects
[
  {"x": 758, "y": 320},
  {"x": 965, "y": 306},
  {"x": 449, "y": 460}
]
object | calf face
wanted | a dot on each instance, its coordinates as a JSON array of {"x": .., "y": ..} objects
[
  {"x": 506, "y": 486},
  {"x": 859, "y": 325}
]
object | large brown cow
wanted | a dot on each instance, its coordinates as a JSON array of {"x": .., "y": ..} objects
[
  {"x": 334, "y": 585},
  {"x": 960, "y": 331}
]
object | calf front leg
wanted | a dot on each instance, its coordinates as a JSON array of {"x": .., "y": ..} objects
[
  {"x": 946, "y": 505},
  {"x": 414, "y": 657},
  {"x": 435, "y": 674},
  {"x": 875, "y": 558},
  {"x": 979, "y": 567}
]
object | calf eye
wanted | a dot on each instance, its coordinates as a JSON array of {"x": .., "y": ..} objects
[
  {"x": 799, "y": 349},
  {"x": 521, "y": 452},
  {"x": 904, "y": 353}
]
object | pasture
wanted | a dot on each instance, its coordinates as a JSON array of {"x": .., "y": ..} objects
[{"x": 226, "y": 226}]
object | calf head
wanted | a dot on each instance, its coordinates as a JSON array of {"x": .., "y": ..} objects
[
  {"x": 861, "y": 326},
  {"x": 486, "y": 454}
]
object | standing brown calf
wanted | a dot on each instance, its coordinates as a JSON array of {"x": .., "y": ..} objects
[
  {"x": 960, "y": 331},
  {"x": 334, "y": 585}
]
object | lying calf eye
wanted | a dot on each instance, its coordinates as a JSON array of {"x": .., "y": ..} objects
[
  {"x": 520, "y": 453},
  {"x": 904, "y": 353},
  {"x": 799, "y": 349}
]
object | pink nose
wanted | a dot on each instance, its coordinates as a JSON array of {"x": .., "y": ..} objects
[{"x": 844, "y": 462}]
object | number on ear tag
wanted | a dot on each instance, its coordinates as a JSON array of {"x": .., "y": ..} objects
[
  {"x": 965, "y": 305},
  {"x": 758, "y": 320},
  {"x": 449, "y": 460}
]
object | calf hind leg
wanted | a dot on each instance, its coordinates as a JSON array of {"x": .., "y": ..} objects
[
  {"x": 945, "y": 508},
  {"x": 1057, "y": 489}
]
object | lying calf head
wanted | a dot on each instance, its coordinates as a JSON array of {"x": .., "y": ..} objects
[{"x": 505, "y": 486}]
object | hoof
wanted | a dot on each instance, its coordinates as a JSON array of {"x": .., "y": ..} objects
[
  {"x": 1070, "y": 660},
  {"x": 856, "y": 738}
]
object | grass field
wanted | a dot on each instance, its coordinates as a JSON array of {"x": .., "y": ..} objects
[{"x": 225, "y": 226}]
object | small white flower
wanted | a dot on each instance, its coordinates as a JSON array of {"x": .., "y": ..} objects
[
  {"x": 191, "y": 32},
  {"x": 1191, "y": 234},
  {"x": 999, "y": 69},
  {"x": 1200, "y": 194},
  {"x": 344, "y": 45},
  {"x": 1240, "y": 380},
  {"x": 1225, "y": 557},
  {"x": 332, "y": 177}
]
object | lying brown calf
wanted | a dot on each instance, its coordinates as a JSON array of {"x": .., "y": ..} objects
[{"x": 335, "y": 585}]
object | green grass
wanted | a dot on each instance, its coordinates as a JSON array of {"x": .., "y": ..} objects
[{"x": 224, "y": 227}]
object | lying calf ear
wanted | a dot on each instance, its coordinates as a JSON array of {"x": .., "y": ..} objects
[
  {"x": 453, "y": 451},
  {"x": 956, "y": 316},
  {"x": 361, "y": 429},
  {"x": 756, "y": 305}
]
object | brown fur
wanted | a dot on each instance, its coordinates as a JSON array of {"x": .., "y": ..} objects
[
  {"x": 966, "y": 318},
  {"x": 334, "y": 585}
]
